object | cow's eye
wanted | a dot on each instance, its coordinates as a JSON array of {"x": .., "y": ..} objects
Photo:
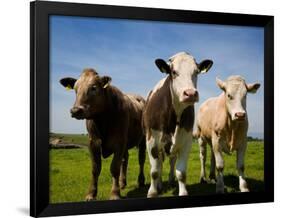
[
  {"x": 174, "y": 73},
  {"x": 229, "y": 96}
]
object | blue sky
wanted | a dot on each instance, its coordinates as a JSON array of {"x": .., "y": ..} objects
[{"x": 126, "y": 50}]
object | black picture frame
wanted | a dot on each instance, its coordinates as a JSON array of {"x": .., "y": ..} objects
[{"x": 39, "y": 107}]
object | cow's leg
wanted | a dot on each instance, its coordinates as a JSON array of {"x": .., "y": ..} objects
[
  {"x": 172, "y": 160},
  {"x": 240, "y": 167},
  {"x": 219, "y": 164},
  {"x": 212, "y": 175},
  {"x": 95, "y": 153},
  {"x": 160, "y": 165},
  {"x": 141, "y": 178},
  {"x": 115, "y": 172},
  {"x": 123, "y": 170},
  {"x": 220, "y": 167},
  {"x": 185, "y": 138},
  {"x": 153, "y": 155},
  {"x": 203, "y": 154},
  {"x": 217, "y": 144}
]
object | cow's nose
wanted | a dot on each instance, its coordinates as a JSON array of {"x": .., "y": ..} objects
[
  {"x": 191, "y": 95},
  {"x": 76, "y": 111},
  {"x": 240, "y": 115}
]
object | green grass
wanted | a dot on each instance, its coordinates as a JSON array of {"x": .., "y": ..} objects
[{"x": 70, "y": 173}]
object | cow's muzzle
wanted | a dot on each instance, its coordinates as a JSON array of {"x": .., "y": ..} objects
[
  {"x": 190, "y": 96},
  {"x": 77, "y": 112},
  {"x": 240, "y": 116}
]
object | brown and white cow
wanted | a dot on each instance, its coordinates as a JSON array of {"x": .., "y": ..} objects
[
  {"x": 169, "y": 115},
  {"x": 114, "y": 124},
  {"x": 222, "y": 123}
]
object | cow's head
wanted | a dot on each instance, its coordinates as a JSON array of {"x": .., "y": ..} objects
[
  {"x": 236, "y": 89},
  {"x": 183, "y": 71},
  {"x": 90, "y": 91}
]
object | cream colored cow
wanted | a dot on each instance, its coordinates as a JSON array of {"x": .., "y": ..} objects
[{"x": 222, "y": 123}]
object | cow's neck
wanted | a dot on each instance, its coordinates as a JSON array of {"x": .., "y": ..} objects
[
  {"x": 115, "y": 101},
  {"x": 113, "y": 106}
]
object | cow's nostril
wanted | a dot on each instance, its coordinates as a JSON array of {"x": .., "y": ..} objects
[
  {"x": 190, "y": 93},
  {"x": 186, "y": 93}
]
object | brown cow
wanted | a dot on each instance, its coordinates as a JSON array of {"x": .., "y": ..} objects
[
  {"x": 222, "y": 123},
  {"x": 113, "y": 121}
]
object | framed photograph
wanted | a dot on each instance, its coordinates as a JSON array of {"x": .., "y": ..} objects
[{"x": 142, "y": 109}]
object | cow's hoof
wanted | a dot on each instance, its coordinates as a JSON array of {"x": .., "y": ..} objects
[
  {"x": 244, "y": 190},
  {"x": 183, "y": 193},
  {"x": 243, "y": 186},
  {"x": 152, "y": 194},
  {"x": 115, "y": 195},
  {"x": 212, "y": 181},
  {"x": 203, "y": 180},
  {"x": 90, "y": 197}
]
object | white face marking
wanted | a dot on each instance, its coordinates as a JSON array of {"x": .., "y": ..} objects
[
  {"x": 184, "y": 76},
  {"x": 235, "y": 92}
]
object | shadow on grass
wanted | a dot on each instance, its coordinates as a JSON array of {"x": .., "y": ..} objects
[
  {"x": 141, "y": 192},
  {"x": 254, "y": 185},
  {"x": 231, "y": 182}
]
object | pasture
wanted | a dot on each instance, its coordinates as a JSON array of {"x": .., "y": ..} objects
[{"x": 70, "y": 172}]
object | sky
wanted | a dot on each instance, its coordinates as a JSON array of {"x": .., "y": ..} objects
[{"x": 125, "y": 50}]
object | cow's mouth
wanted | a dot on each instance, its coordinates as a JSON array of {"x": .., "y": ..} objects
[
  {"x": 240, "y": 119},
  {"x": 189, "y": 99},
  {"x": 78, "y": 117}
]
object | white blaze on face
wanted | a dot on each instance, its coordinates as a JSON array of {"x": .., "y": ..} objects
[{"x": 184, "y": 75}]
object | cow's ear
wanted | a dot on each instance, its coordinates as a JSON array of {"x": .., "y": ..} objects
[
  {"x": 68, "y": 82},
  {"x": 221, "y": 84},
  {"x": 205, "y": 66},
  {"x": 253, "y": 87},
  {"x": 105, "y": 81},
  {"x": 163, "y": 66}
]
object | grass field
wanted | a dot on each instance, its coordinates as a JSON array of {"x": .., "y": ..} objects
[{"x": 70, "y": 173}]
